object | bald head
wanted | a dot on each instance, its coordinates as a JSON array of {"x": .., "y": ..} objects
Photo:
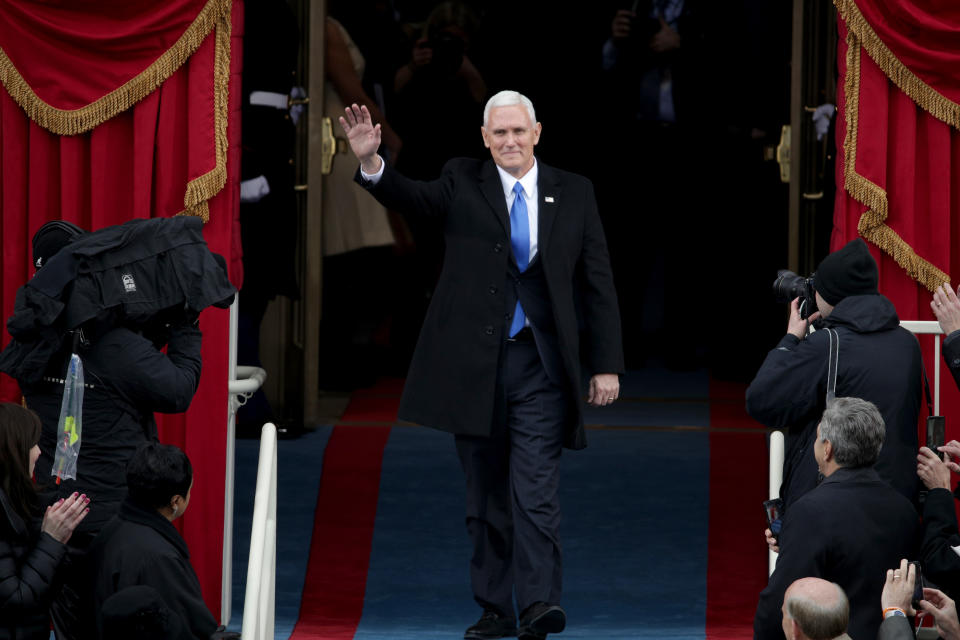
[{"x": 815, "y": 609}]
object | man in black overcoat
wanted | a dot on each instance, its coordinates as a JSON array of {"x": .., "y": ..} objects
[
  {"x": 849, "y": 529},
  {"x": 525, "y": 293}
]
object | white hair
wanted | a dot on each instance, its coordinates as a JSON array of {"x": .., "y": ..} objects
[{"x": 507, "y": 99}]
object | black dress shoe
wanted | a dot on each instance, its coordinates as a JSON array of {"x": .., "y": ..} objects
[
  {"x": 492, "y": 625},
  {"x": 541, "y": 618}
]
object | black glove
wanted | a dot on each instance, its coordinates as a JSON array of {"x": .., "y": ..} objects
[{"x": 222, "y": 634}]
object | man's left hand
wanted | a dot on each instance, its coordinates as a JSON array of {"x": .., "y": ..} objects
[
  {"x": 898, "y": 589},
  {"x": 604, "y": 389}
]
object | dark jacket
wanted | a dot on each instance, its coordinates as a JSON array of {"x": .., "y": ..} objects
[
  {"x": 28, "y": 565},
  {"x": 940, "y": 563},
  {"x": 951, "y": 354},
  {"x": 127, "y": 379},
  {"x": 878, "y": 361},
  {"x": 896, "y": 628},
  {"x": 452, "y": 378},
  {"x": 141, "y": 547},
  {"x": 849, "y": 530}
]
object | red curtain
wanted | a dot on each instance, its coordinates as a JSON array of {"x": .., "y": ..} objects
[
  {"x": 899, "y": 151},
  {"x": 133, "y": 113}
]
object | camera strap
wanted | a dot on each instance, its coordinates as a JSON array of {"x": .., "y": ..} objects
[{"x": 832, "y": 364}]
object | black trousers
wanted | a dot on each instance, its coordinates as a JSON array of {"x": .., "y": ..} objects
[{"x": 513, "y": 477}]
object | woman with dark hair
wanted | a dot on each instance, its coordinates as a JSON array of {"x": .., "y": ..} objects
[
  {"x": 140, "y": 545},
  {"x": 28, "y": 558}
]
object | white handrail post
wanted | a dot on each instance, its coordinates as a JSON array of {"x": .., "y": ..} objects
[
  {"x": 775, "y": 480},
  {"x": 239, "y": 390},
  {"x": 260, "y": 598},
  {"x": 226, "y": 585}
]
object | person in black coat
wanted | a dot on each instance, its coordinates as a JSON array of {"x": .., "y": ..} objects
[
  {"x": 847, "y": 530},
  {"x": 878, "y": 360},
  {"x": 498, "y": 358},
  {"x": 941, "y": 564},
  {"x": 140, "y": 545},
  {"x": 29, "y": 559}
]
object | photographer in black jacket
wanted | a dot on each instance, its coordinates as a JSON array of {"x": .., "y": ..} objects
[{"x": 877, "y": 360}]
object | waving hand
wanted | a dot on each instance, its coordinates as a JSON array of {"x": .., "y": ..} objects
[{"x": 363, "y": 136}]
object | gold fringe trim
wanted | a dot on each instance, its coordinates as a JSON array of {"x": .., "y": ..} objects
[
  {"x": 872, "y": 223},
  {"x": 928, "y": 98},
  {"x": 201, "y": 189},
  {"x": 68, "y": 122}
]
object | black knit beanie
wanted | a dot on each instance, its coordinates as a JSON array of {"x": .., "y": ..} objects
[{"x": 849, "y": 271}]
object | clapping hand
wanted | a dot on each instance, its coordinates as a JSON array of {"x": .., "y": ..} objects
[
  {"x": 63, "y": 516},
  {"x": 946, "y": 307},
  {"x": 363, "y": 136}
]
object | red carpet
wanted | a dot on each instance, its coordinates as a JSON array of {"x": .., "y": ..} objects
[
  {"x": 336, "y": 576},
  {"x": 737, "y": 553}
]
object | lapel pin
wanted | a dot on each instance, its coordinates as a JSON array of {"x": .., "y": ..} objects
[{"x": 548, "y": 199}]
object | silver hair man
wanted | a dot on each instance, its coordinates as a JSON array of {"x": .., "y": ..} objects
[
  {"x": 507, "y": 99},
  {"x": 856, "y": 430}
]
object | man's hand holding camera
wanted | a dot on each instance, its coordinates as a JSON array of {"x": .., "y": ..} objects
[
  {"x": 797, "y": 325},
  {"x": 933, "y": 471}
]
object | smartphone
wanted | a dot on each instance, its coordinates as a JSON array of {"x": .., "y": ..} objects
[
  {"x": 936, "y": 429},
  {"x": 773, "y": 509},
  {"x": 917, "y": 585}
]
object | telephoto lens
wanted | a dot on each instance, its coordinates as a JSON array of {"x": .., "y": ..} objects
[{"x": 789, "y": 285}]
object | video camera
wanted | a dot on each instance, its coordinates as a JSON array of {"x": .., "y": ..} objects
[{"x": 789, "y": 285}]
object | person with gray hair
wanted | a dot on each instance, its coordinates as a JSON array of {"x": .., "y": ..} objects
[
  {"x": 815, "y": 609},
  {"x": 848, "y": 529},
  {"x": 498, "y": 360}
]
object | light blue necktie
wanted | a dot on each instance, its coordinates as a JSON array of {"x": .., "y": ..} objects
[{"x": 520, "y": 241}]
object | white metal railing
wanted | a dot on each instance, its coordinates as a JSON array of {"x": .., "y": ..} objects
[
  {"x": 929, "y": 326},
  {"x": 776, "y": 438},
  {"x": 259, "y": 601},
  {"x": 242, "y": 382},
  {"x": 776, "y": 477}
]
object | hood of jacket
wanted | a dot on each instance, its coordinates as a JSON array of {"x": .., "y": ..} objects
[{"x": 863, "y": 314}]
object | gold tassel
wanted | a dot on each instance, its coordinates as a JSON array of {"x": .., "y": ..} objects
[
  {"x": 872, "y": 224},
  {"x": 201, "y": 189},
  {"x": 69, "y": 122},
  {"x": 926, "y": 97}
]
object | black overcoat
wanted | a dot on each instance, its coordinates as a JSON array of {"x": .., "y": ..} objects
[
  {"x": 140, "y": 547},
  {"x": 848, "y": 530},
  {"x": 451, "y": 383}
]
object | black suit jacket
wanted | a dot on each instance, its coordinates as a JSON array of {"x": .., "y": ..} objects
[
  {"x": 451, "y": 384},
  {"x": 850, "y": 529}
]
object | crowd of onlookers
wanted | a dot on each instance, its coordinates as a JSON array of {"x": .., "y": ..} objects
[{"x": 860, "y": 495}]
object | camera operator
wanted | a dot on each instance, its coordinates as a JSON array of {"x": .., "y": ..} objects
[
  {"x": 877, "y": 360},
  {"x": 127, "y": 376}
]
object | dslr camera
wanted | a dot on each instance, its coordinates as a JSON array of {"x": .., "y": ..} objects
[{"x": 789, "y": 285}]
